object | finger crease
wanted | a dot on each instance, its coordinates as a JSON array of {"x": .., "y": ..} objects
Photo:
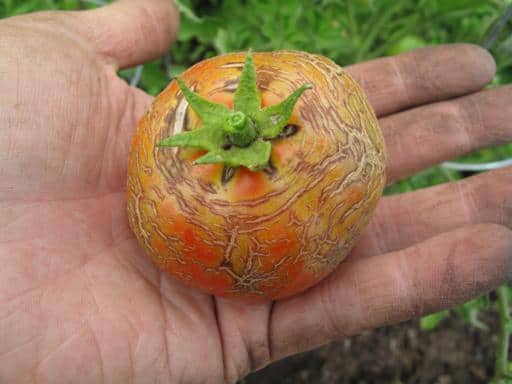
[{"x": 401, "y": 80}]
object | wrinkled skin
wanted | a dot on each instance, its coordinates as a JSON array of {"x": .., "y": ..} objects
[{"x": 80, "y": 303}]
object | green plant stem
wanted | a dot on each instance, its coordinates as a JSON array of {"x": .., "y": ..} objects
[
  {"x": 240, "y": 129},
  {"x": 501, "y": 371}
]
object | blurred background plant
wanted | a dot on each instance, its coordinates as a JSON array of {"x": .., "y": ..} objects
[{"x": 347, "y": 31}]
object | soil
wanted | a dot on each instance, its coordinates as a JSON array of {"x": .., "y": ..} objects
[{"x": 452, "y": 353}]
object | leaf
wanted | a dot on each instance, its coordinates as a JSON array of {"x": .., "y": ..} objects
[
  {"x": 446, "y": 6},
  {"x": 190, "y": 30},
  {"x": 254, "y": 157},
  {"x": 153, "y": 78},
  {"x": 220, "y": 41},
  {"x": 470, "y": 311},
  {"x": 247, "y": 97},
  {"x": 69, "y": 4},
  {"x": 407, "y": 43},
  {"x": 176, "y": 70},
  {"x": 207, "y": 110},
  {"x": 187, "y": 12},
  {"x": 8, "y": 6},
  {"x": 205, "y": 137},
  {"x": 25, "y": 7},
  {"x": 274, "y": 118},
  {"x": 430, "y": 322}
]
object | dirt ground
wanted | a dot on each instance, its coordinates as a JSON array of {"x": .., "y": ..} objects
[{"x": 451, "y": 354}]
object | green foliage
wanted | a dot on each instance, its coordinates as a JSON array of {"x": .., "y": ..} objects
[
  {"x": 427, "y": 323},
  {"x": 17, "y": 7},
  {"x": 346, "y": 31},
  {"x": 468, "y": 311},
  {"x": 426, "y": 178}
]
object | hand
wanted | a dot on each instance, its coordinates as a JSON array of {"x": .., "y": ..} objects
[{"x": 79, "y": 302}]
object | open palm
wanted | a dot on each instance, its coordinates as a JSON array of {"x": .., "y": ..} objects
[{"x": 79, "y": 302}]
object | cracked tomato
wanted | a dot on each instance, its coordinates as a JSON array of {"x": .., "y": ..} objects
[{"x": 252, "y": 175}]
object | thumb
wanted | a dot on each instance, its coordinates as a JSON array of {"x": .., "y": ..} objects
[{"x": 130, "y": 32}]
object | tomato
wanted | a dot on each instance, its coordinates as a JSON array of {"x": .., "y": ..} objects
[{"x": 263, "y": 233}]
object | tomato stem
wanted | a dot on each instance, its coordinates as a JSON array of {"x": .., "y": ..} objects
[
  {"x": 240, "y": 129},
  {"x": 239, "y": 137}
]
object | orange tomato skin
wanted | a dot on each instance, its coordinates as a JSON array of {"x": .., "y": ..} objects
[{"x": 258, "y": 236}]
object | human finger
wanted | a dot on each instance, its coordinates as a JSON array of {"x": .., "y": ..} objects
[
  {"x": 366, "y": 293},
  {"x": 403, "y": 220},
  {"x": 423, "y": 76},
  {"x": 425, "y": 136},
  {"x": 124, "y": 33}
]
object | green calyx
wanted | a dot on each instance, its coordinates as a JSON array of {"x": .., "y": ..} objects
[{"x": 238, "y": 137}]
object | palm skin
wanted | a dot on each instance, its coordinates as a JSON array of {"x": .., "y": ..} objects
[{"x": 79, "y": 302}]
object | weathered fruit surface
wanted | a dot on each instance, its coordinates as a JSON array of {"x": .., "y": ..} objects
[{"x": 266, "y": 234}]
